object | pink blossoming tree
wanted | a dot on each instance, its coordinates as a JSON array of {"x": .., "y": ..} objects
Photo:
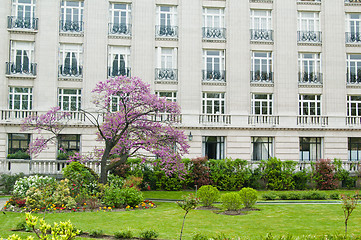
[{"x": 129, "y": 122}]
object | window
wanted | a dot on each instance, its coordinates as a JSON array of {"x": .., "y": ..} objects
[
  {"x": 119, "y": 61},
  {"x": 120, "y": 18},
  {"x": 213, "y": 103},
  {"x": 354, "y": 148},
  {"x": 21, "y": 58},
  {"x": 70, "y": 60},
  {"x": 213, "y": 147},
  {"x": 353, "y": 24},
  {"x": 214, "y": 65},
  {"x": 261, "y": 25},
  {"x": 166, "y": 64},
  {"x": 69, "y": 99},
  {"x": 18, "y": 142},
  {"x": 309, "y": 67},
  {"x": 166, "y": 21},
  {"x": 353, "y": 68},
  {"x": 309, "y": 27},
  {"x": 69, "y": 142},
  {"x": 170, "y": 96},
  {"x": 20, "y": 98},
  {"x": 262, "y": 104},
  {"x": 310, "y": 148},
  {"x": 262, "y": 148},
  {"x": 309, "y": 105},
  {"x": 354, "y": 106},
  {"x": 22, "y": 14},
  {"x": 261, "y": 67},
  {"x": 71, "y": 16},
  {"x": 213, "y": 23}
]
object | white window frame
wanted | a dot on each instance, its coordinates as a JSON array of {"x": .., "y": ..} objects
[
  {"x": 25, "y": 95},
  {"x": 216, "y": 61},
  {"x": 315, "y": 149},
  {"x": 261, "y": 20},
  {"x": 67, "y": 100},
  {"x": 220, "y": 146},
  {"x": 119, "y": 52},
  {"x": 260, "y": 62},
  {"x": 262, "y": 106},
  {"x": 213, "y": 17},
  {"x": 213, "y": 103},
  {"x": 123, "y": 15},
  {"x": 309, "y": 107},
  {"x": 353, "y": 22},
  {"x": 168, "y": 95},
  {"x": 354, "y": 66},
  {"x": 309, "y": 63},
  {"x": 72, "y": 14},
  {"x": 27, "y": 9},
  {"x": 166, "y": 58},
  {"x": 73, "y": 51},
  {"x": 308, "y": 23},
  {"x": 167, "y": 16},
  {"x": 265, "y": 144},
  {"x": 26, "y": 50},
  {"x": 353, "y": 105}
]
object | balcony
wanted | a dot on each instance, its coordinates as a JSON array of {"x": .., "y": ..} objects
[
  {"x": 120, "y": 29},
  {"x": 263, "y": 119},
  {"x": 21, "y": 69},
  {"x": 17, "y": 114},
  {"x": 261, "y": 35},
  {"x": 22, "y": 23},
  {"x": 166, "y": 117},
  {"x": 261, "y": 77},
  {"x": 353, "y": 78},
  {"x": 353, "y": 37},
  {"x": 67, "y": 71},
  {"x": 261, "y": 1},
  {"x": 71, "y": 26},
  {"x": 301, "y": 1},
  {"x": 308, "y": 37},
  {"x": 353, "y": 121},
  {"x": 116, "y": 72},
  {"x": 166, "y": 31},
  {"x": 215, "y": 119},
  {"x": 214, "y": 33},
  {"x": 165, "y": 74},
  {"x": 352, "y": 1},
  {"x": 312, "y": 120},
  {"x": 309, "y": 78},
  {"x": 214, "y": 76}
]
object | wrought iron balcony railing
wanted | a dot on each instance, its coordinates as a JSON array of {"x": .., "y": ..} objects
[
  {"x": 120, "y": 29},
  {"x": 22, "y": 23},
  {"x": 71, "y": 26},
  {"x": 115, "y": 72},
  {"x": 166, "y": 74},
  {"x": 352, "y": 37},
  {"x": 166, "y": 31},
  {"x": 214, "y": 33},
  {"x": 310, "y": 77},
  {"x": 257, "y": 76},
  {"x": 214, "y": 76},
  {"x": 309, "y": 36},
  {"x": 15, "y": 68},
  {"x": 261, "y": 35},
  {"x": 354, "y": 78},
  {"x": 67, "y": 71},
  {"x": 352, "y": 1}
]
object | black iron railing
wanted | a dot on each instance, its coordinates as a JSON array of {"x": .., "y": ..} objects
[
  {"x": 352, "y": 37},
  {"x": 120, "y": 29},
  {"x": 115, "y": 72},
  {"x": 261, "y": 35},
  {"x": 71, "y": 26},
  {"x": 309, "y": 36},
  {"x": 166, "y": 74},
  {"x": 310, "y": 77},
  {"x": 166, "y": 31},
  {"x": 258, "y": 76},
  {"x": 22, "y": 23},
  {"x": 217, "y": 76},
  {"x": 16, "y": 68},
  {"x": 70, "y": 71},
  {"x": 214, "y": 33}
]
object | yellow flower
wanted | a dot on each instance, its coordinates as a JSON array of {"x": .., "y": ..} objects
[
  {"x": 105, "y": 207},
  {"x": 143, "y": 204},
  {"x": 85, "y": 203},
  {"x": 136, "y": 206},
  {"x": 127, "y": 207},
  {"x": 109, "y": 208}
]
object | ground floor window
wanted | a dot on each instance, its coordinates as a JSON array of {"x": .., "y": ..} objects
[
  {"x": 310, "y": 148},
  {"x": 213, "y": 147},
  {"x": 354, "y": 148},
  {"x": 69, "y": 143},
  {"x": 262, "y": 148},
  {"x": 18, "y": 142}
]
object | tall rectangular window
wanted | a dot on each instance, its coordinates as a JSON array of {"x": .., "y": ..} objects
[
  {"x": 120, "y": 18},
  {"x": 166, "y": 64},
  {"x": 71, "y": 16},
  {"x": 354, "y": 106},
  {"x": 213, "y": 147},
  {"x": 354, "y": 148},
  {"x": 353, "y": 27},
  {"x": 69, "y": 99},
  {"x": 170, "y": 96},
  {"x": 309, "y": 105},
  {"x": 262, "y": 148},
  {"x": 213, "y": 23},
  {"x": 214, "y": 65},
  {"x": 261, "y": 25},
  {"x": 119, "y": 61},
  {"x": 166, "y": 21},
  {"x": 354, "y": 68},
  {"x": 262, "y": 104},
  {"x": 71, "y": 60},
  {"x": 310, "y": 148},
  {"x": 21, "y": 58},
  {"x": 69, "y": 142},
  {"x": 261, "y": 67},
  {"x": 213, "y": 103},
  {"x": 20, "y": 98},
  {"x": 23, "y": 14},
  {"x": 309, "y": 68},
  {"x": 18, "y": 142},
  {"x": 309, "y": 27}
]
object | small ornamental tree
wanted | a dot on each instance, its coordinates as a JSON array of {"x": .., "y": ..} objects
[
  {"x": 189, "y": 203},
  {"x": 348, "y": 205},
  {"x": 128, "y": 119},
  {"x": 324, "y": 175}
]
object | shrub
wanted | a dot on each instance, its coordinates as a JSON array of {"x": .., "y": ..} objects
[
  {"x": 199, "y": 172},
  {"x": 148, "y": 234},
  {"x": 278, "y": 174},
  {"x": 335, "y": 196},
  {"x": 324, "y": 175},
  {"x": 200, "y": 236},
  {"x": 113, "y": 197},
  {"x": 131, "y": 196},
  {"x": 301, "y": 178},
  {"x": 61, "y": 196},
  {"x": 208, "y": 195},
  {"x": 283, "y": 196},
  {"x": 248, "y": 197},
  {"x": 133, "y": 182},
  {"x": 231, "y": 201},
  {"x": 314, "y": 195},
  {"x": 124, "y": 234},
  {"x": 96, "y": 233},
  {"x": 8, "y": 181},
  {"x": 269, "y": 196},
  {"x": 294, "y": 196},
  {"x": 22, "y": 185},
  {"x": 19, "y": 155},
  {"x": 22, "y": 226}
]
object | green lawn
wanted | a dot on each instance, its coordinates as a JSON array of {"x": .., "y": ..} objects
[{"x": 166, "y": 219}]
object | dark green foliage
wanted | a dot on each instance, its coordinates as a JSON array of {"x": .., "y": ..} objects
[
  {"x": 314, "y": 195},
  {"x": 301, "y": 178},
  {"x": 22, "y": 226},
  {"x": 294, "y": 196},
  {"x": 96, "y": 233},
  {"x": 19, "y": 155},
  {"x": 335, "y": 196},
  {"x": 278, "y": 174},
  {"x": 113, "y": 197},
  {"x": 8, "y": 181},
  {"x": 131, "y": 196},
  {"x": 343, "y": 175},
  {"x": 269, "y": 196},
  {"x": 148, "y": 234},
  {"x": 126, "y": 234}
]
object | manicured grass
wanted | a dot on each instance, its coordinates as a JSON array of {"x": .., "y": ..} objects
[{"x": 167, "y": 218}]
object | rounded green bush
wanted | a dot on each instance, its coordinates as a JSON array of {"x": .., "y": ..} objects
[
  {"x": 248, "y": 197},
  {"x": 208, "y": 194},
  {"x": 231, "y": 201}
]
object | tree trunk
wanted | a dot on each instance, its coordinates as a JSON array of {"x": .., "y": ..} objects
[
  {"x": 184, "y": 219},
  {"x": 103, "y": 165}
]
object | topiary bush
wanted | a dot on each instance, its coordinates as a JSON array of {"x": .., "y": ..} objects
[
  {"x": 208, "y": 194},
  {"x": 248, "y": 197},
  {"x": 231, "y": 201}
]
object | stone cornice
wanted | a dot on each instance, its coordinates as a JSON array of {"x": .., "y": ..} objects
[
  {"x": 115, "y": 36},
  {"x": 309, "y": 44},
  {"x": 20, "y": 31},
  {"x": 214, "y": 40},
  {"x": 263, "y": 84},
  {"x": 310, "y": 85},
  {"x": 21, "y": 77},
  {"x": 70, "y": 79},
  {"x": 305, "y": 2},
  {"x": 262, "y": 42},
  {"x": 166, "y": 38},
  {"x": 166, "y": 82},
  {"x": 69, "y": 34},
  {"x": 214, "y": 83}
]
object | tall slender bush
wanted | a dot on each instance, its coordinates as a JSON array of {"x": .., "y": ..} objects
[
  {"x": 324, "y": 175},
  {"x": 278, "y": 174}
]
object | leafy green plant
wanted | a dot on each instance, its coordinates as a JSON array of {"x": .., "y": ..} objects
[
  {"x": 19, "y": 155},
  {"x": 96, "y": 233},
  {"x": 200, "y": 236},
  {"x": 208, "y": 194},
  {"x": 278, "y": 174},
  {"x": 248, "y": 197},
  {"x": 148, "y": 234},
  {"x": 113, "y": 197},
  {"x": 131, "y": 196},
  {"x": 124, "y": 234},
  {"x": 269, "y": 196},
  {"x": 189, "y": 203},
  {"x": 8, "y": 181},
  {"x": 23, "y": 184},
  {"x": 301, "y": 179},
  {"x": 231, "y": 201},
  {"x": 294, "y": 196},
  {"x": 348, "y": 205},
  {"x": 335, "y": 196},
  {"x": 22, "y": 226},
  {"x": 314, "y": 195}
]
